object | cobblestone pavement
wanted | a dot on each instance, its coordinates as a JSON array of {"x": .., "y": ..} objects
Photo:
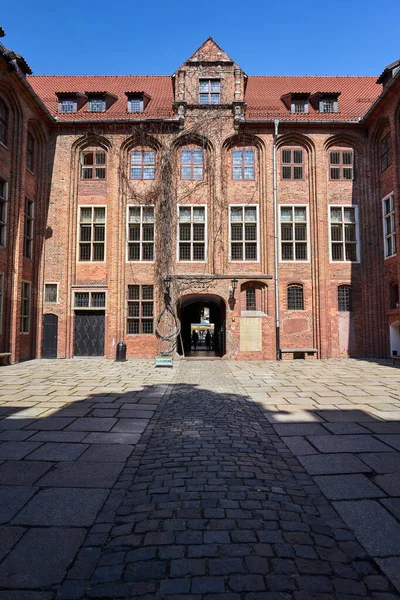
[{"x": 214, "y": 480}]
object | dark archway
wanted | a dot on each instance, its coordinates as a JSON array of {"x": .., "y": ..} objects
[{"x": 202, "y": 313}]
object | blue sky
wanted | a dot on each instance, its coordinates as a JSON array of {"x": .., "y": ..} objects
[{"x": 340, "y": 37}]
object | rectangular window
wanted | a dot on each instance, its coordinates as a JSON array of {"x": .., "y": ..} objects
[
  {"x": 50, "y": 292},
  {"x": 344, "y": 298},
  {"x": 141, "y": 233},
  {"x": 1, "y": 301},
  {"x": 96, "y": 105},
  {"x": 3, "y": 212},
  {"x": 209, "y": 91},
  {"x": 292, "y": 164},
  {"x": 192, "y": 233},
  {"x": 30, "y": 152},
  {"x": 140, "y": 313},
  {"x": 243, "y": 164},
  {"x": 90, "y": 300},
  {"x": 92, "y": 233},
  {"x": 67, "y": 106},
  {"x": 344, "y": 234},
  {"x": 328, "y": 104},
  {"x": 143, "y": 164},
  {"x": 294, "y": 234},
  {"x": 299, "y": 105},
  {"x": 192, "y": 165},
  {"x": 295, "y": 297},
  {"x": 341, "y": 164},
  {"x": 28, "y": 228},
  {"x": 244, "y": 233},
  {"x": 25, "y": 319},
  {"x": 135, "y": 105},
  {"x": 93, "y": 165},
  {"x": 389, "y": 226},
  {"x": 251, "y": 298},
  {"x": 386, "y": 152}
]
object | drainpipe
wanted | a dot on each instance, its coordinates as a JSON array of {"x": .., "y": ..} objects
[{"x": 277, "y": 330}]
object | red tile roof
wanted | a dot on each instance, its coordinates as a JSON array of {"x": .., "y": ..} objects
[{"x": 263, "y": 95}]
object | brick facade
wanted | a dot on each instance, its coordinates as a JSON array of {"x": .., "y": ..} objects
[{"x": 175, "y": 120}]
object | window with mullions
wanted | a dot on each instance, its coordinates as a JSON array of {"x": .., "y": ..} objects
[
  {"x": 299, "y": 105},
  {"x": 192, "y": 165},
  {"x": 251, "y": 298},
  {"x": 344, "y": 298},
  {"x": 25, "y": 317},
  {"x": 30, "y": 152},
  {"x": 242, "y": 164},
  {"x": 341, "y": 164},
  {"x": 386, "y": 152},
  {"x": 28, "y": 228},
  {"x": 67, "y": 106},
  {"x": 244, "y": 235},
  {"x": 50, "y": 292},
  {"x": 293, "y": 233},
  {"x": 292, "y": 164},
  {"x": 92, "y": 234},
  {"x": 93, "y": 165},
  {"x": 389, "y": 226},
  {"x": 295, "y": 297},
  {"x": 209, "y": 91},
  {"x": 3, "y": 122},
  {"x": 96, "y": 105},
  {"x": 3, "y": 212},
  {"x": 192, "y": 233},
  {"x": 135, "y": 105},
  {"x": 328, "y": 104},
  {"x": 89, "y": 300},
  {"x": 140, "y": 233},
  {"x": 140, "y": 319},
  {"x": 343, "y": 233},
  {"x": 143, "y": 164}
]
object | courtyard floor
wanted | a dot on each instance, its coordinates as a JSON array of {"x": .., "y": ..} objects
[{"x": 216, "y": 479}]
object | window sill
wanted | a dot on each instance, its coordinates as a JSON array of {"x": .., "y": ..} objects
[
  {"x": 4, "y": 146},
  {"x": 253, "y": 313},
  {"x": 30, "y": 171}
]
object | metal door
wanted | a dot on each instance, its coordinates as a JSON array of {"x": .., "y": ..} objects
[
  {"x": 89, "y": 333},
  {"x": 50, "y": 336}
]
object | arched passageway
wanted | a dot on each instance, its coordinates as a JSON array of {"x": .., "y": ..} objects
[{"x": 203, "y": 322}]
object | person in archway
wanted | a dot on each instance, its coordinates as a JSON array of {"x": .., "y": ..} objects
[
  {"x": 208, "y": 340},
  {"x": 195, "y": 339}
]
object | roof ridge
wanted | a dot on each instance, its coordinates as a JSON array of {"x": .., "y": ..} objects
[{"x": 119, "y": 76}]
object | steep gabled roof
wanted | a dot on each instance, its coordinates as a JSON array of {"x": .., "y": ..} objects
[{"x": 209, "y": 51}]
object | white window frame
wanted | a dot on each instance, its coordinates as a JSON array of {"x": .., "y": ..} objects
[
  {"x": 392, "y": 217},
  {"x": 3, "y": 224},
  {"x": 209, "y": 91},
  {"x": 2, "y": 279},
  {"x": 140, "y": 241},
  {"x": 344, "y": 261},
  {"x": 56, "y": 283},
  {"x": 93, "y": 100},
  {"x": 26, "y": 315},
  {"x": 243, "y": 261},
  {"x": 132, "y": 100},
  {"x": 307, "y": 240},
  {"x": 294, "y": 101},
  {"x": 91, "y": 261},
  {"x": 90, "y": 292},
  {"x": 71, "y": 103},
  {"x": 192, "y": 241}
]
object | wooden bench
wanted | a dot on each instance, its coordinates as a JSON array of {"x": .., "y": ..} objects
[
  {"x": 394, "y": 358},
  {"x": 4, "y": 358},
  {"x": 299, "y": 350}
]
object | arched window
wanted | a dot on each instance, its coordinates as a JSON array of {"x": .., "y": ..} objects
[
  {"x": 93, "y": 163},
  {"x": 243, "y": 164},
  {"x": 192, "y": 164},
  {"x": 30, "y": 152},
  {"x": 344, "y": 298},
  {"x": 295, "y": 297},
  {"x": 143, "y": 161},
  {"x": 3, "y": 122}
]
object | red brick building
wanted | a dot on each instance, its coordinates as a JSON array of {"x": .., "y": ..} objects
[{"x": 142, "y": 208}]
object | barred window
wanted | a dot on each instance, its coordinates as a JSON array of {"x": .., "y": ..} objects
[
  {"x": 93, "y": 165},
  {"x": 243, "y": 164},
  {"x": 292, "y": 164},
  {"x": 295, "y": 297},
  {"x": 135, "y": 105},
  {"x": 244, "y": 234},
  {"x": 386, "y": 152},
  {"x": 389, "y": 226},
  {"x": 3, "y": 122},
  {"x": 209, "y": 91},
  {"x": 25, "y": 317},
  {"x": 343, "y": 234},
  {"x": 92, "y": 233},
  {"x": 192, "y": 165},
  {"x": 251, "y": 298},
  {"x": 90, "y": 299},
  {"x": 344, "y": 298},
  {"x": 299, "y": 105},
  {"x": 294, "y": 233},
  {"x": 28, "y": 228},
  {"x": 143, "y": 164},
  {"x": 96, "y": 105},
  {"x": 1, "y": 301},
  {"x": 30, "y": 152},
  {"x": 3, "y": 211},
  {"x": 141, "y": 233},
  {"x": 192, "y": 233},
  {"x": 328, "y": 104},
  {"x": 67, "y": 105},
  {"x": 50, "y": 292},
  {"x": 140, "y": 319},
  {"x": 341, "y": 164}
]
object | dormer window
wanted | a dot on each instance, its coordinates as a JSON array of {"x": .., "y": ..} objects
[
  {"x": 328, "y": 104},
  {"x": 299, "y": 105},
  {"x": 135, "y": 105},
  {"x": 96, "y": 104},
  {"x": 209, "y": 91},
  {"x": 67, "y": 105}
]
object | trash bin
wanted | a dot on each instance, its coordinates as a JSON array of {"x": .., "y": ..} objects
[{"x": 121, "y": 352}]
